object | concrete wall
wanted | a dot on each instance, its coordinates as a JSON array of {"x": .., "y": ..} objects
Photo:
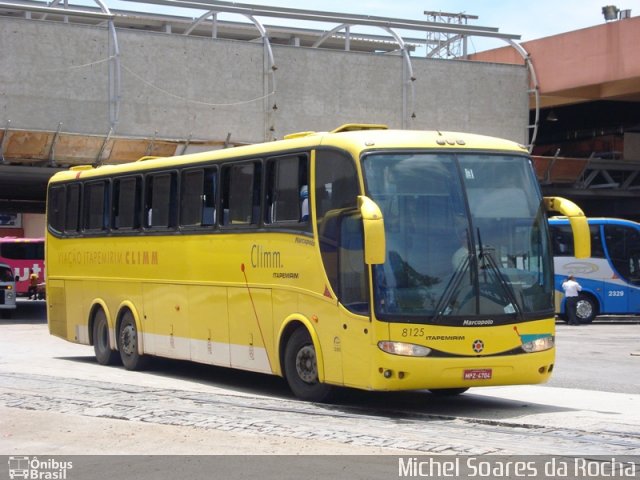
[
  {"x": 181, "y": 86},
  {"x": 34, "y": 225},
  {"x": 599, "y": 62}
]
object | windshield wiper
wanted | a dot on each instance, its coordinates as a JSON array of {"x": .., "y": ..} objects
[
  {"x": 489, "y": 261},
  {"x": 452, "y": 287}
]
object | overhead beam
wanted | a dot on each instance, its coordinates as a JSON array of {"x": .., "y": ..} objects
[
  {"x": 56, "y": 11},
  {"x": 22, "y": 206},
  {"x": 332, "y": 17},
  {"x": 23, "y": 189}
]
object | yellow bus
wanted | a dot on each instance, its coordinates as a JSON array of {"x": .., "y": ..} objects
[{"x": 363, "y": 257}]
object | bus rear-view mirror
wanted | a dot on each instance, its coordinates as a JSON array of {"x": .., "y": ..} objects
[
  {"x": 373, "y": 225},
  {"x": 578, "y": 222}
]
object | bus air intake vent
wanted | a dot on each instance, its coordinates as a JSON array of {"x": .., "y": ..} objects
[
  {"x": 352, "y": 127},
  {"x": 298, "y": 135}
]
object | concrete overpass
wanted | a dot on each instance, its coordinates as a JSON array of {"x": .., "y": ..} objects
[{"x": 588, "y": 138}]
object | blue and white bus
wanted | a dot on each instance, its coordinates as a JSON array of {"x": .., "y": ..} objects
[{"x": 610, "y": 279}]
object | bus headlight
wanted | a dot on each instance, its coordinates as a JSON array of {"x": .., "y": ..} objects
[
  {"x": 406, "y": 349},
  {"x": 539, "y": 344}
]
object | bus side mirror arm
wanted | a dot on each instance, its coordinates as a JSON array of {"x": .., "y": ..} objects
[
  {"x": 578, "y": 221},
  {"x": 373, "y": 226}
]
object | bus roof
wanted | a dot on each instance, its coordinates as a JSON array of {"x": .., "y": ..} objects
[
  {"x": 559, "y": 220},
  {"x": 354, "y": 138}
]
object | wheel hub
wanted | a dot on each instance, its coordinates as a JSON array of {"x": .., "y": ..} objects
[
  {"x": 128, "y": 340},
  {"x": 583, "y": 309},
  {"x": 306, "y": 364}
]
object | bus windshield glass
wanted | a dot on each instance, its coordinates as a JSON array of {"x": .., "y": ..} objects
[
  {"x": 466, "y": 238},
  {"x": 6, "y": 274}
]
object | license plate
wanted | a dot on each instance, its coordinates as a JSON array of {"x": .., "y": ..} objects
[{"x": 477, "y": 374}]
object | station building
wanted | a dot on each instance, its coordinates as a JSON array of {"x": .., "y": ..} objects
[{"x": 92, "y": 85}]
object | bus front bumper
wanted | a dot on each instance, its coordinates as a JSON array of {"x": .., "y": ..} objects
[{"x": 394, "y": 372}]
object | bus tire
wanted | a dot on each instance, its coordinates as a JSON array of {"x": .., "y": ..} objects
[
  {"x": 301, "y": 368},
  {"x": 448, "y": 392},
  {"x": 128, "y": 344},
  {"x": 101, "y": 347},
  {"x": 586, "y": 308}
]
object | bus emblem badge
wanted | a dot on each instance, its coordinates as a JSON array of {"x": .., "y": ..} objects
[{"x": 478, "y": 346}]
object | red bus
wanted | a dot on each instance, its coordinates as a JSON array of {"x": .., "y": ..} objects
[{"x": 23, "y": 254}]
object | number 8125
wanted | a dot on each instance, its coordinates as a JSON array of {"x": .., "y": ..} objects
[{"x": 413, "y": 332}]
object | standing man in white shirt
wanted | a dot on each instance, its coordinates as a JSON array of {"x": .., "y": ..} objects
[{"x": 571, "y": 289}]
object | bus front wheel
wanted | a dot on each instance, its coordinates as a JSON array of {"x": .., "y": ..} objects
[
  {"x": 128, "y": 344},
  {"x": 101, "y": 347},
  {"x": 301, "y": 368},
  {"x": 586, "y": 308}
]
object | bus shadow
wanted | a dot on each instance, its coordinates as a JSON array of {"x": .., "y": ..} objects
[
  {"x": 424, "y": 405},
  {"x": 407, "y": 406},
  {"x": 239, "y": 381}
]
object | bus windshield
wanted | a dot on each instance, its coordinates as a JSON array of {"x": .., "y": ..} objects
[
  {"x": 466, "y": 236},
  {"x": 6, "y": 274}
]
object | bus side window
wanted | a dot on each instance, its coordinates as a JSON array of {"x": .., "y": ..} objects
[
  {"x": 160, "y": 200},
  {"x": 95, "y": 206},
  {"x": 126, "y": 203},
  {"x": 56, "y": 210},
  {"x": 336, "y": 191},
  {"x": 597, "y": 250},
  {"x": 209, "y": 192},
  {"x": 198, "y": 197},
  {"x": 191, "y": 183},
  {"x": 238, "y": 207},
  {"x": 287, "y": 180},
  {"x": 72, "y": 216},
  {"x": 562, "y": 240},
  {"x": 623, "y": 243}
]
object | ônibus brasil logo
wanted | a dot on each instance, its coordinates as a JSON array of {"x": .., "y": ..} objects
[{"x": 33, "y": 468}]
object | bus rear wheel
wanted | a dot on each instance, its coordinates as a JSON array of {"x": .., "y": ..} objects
[
  {"x": 128, "y": 344},
  {"x": 101, "y": 347},
  {"x": 586, "y": 308},
  {"x": 301, "y": 368}
]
